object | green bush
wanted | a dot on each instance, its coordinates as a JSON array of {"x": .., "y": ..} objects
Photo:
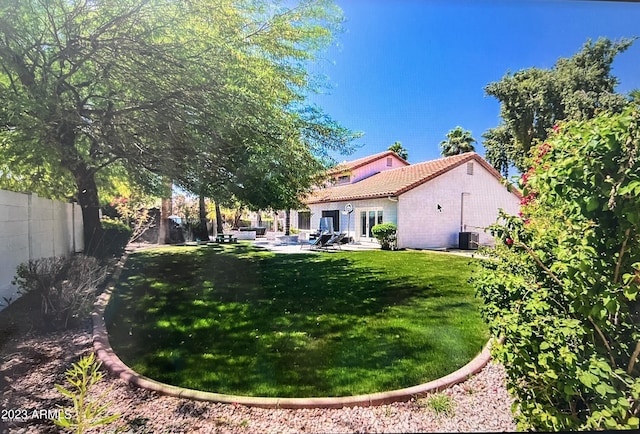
[
  {"x": 563, "y": 288},
  {"x": 66, "y": 285},
  {"x": 116, "y": 237},
  {"x": 385, "y": 233}
]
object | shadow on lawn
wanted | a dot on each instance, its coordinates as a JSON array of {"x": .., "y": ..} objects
[{"x": 243, "y": 321}]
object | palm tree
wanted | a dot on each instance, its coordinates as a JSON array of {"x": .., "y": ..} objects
[
  {"x": 400, "y": 150},
  {"x": 458, "y": 142}
]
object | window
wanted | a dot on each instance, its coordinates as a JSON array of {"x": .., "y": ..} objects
[
  {"x": 469, "y": 168},
  {"x": 344, "y": 179},
  {"x": 304, "y": 220},
  {"x": 336, "y": 218},
  {"x": 389, "y": 161}
]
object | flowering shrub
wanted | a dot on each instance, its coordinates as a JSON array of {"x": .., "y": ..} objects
[
  {"x": 563, "y": 288},
  {"x": 133, "y": 212}
]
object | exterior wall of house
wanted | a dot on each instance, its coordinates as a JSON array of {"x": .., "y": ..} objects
[
  {"x": 467, "y": 203},
  {"x": 352, "y": 224},
  {"x": 372, "y": 168},
  {"x": 32, "y": 227},
  {"x": 375, "y": 167}
]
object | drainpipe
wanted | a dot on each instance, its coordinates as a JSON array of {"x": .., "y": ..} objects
[{"x": 462, "y": 225}]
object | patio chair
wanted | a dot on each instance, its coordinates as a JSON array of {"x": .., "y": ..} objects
[
  {"x": 320, "y": 241},
  {"x": 335, "y": 240}
]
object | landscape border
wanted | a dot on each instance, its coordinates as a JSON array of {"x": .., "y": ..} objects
[{"x": 113, "y": 363}]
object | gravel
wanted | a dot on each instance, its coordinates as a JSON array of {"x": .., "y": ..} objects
[{"x": 31, "y": 364}]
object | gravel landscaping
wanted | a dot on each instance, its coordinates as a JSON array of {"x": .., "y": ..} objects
[
  {"x": 31, "y": 366},
  {"x": 32, "y": 362}
]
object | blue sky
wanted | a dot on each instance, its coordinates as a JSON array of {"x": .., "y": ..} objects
[{"x": 411, "y": 70}]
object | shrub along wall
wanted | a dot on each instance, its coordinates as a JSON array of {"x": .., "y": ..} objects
[{"x": 32, "y": 227}]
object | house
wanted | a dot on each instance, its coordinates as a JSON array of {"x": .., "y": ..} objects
[{"x": 430, "y": 202}]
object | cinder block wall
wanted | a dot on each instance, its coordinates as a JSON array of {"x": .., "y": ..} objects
[{"x": 32, "y": 227}]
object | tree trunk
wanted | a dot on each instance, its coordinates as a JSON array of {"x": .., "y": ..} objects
[
  {"x": 287, "y": 222},
  {"x": 90, "y": 205},
  {"x": 219, "y": 228},
  {"x": 202, "y": 233},
  {"x": 87, "y": 191},
  {"x": 164, "y": 232}
]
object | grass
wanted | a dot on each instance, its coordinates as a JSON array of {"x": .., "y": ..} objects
[
  {"x": 237, "y": 320},
  {"x": 439, "y": 403}
]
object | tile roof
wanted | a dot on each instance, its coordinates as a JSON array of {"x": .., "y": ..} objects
[
  {"x": 394, "y": 182},
  {"x": 354, "y": 164}
]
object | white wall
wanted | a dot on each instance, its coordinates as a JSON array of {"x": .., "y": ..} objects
[
  {"x": 422, "y": 225},
  {"x": 388, "y": 207},
  {"x": 32, "y": 227}
]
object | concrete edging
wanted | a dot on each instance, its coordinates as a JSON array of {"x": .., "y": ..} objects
[{"x": 112, "y": 362}]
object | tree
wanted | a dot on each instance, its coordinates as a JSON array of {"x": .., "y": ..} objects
[
  {"x": 500, "y": 151},
  {"x": 562, "y": 286},
  {"x": 533, "y": 100},
  {"x": 458, "y": 142},
  {"x": 400, "y": 150},
  {"x": 150, "y": 89}
]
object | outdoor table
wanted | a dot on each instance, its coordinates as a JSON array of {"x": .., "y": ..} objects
[{"x": 226, "y": 238}]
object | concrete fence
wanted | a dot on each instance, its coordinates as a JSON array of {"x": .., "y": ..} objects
[{"x": 32, "y": 227}]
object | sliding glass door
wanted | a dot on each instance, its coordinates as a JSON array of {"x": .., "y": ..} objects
[{"x": 368, "y": 219}]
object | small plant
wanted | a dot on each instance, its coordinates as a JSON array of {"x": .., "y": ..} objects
[
  {"x": 67, "y": 286},
  {"x": 6, "y": 301},
  {"x": 86, "y": 413},
  {"x": 385, "y": 233},
  {"x": 440, "y": 403}
]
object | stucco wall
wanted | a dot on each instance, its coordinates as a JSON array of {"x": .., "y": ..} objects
[
  {"x": 32, "y": 227},
  {"x": 375, "y": 167},
  {"x": 422, "y": 225}
]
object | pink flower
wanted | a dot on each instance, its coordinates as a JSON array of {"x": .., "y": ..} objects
[
  {"x": 556, "y": 128},
  {"x": 509, "y": 241}
]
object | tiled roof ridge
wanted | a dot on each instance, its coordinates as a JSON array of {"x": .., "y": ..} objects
[{"x": 359, "y": 162}]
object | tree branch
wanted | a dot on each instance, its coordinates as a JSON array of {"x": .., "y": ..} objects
[
  {"x": 604, "y": 340},
  {"x": 616, "y": 274},
  {"x": 634, "y": 357},
  {"x": 540, "y": 264}
]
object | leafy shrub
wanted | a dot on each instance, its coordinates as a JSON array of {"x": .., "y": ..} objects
[
  {"x": 86, "y": 413},
  {"x": 385, "y": 233},
  {"x": 563, "y": 290},
  {"x": 66, "y": 286},
  {"x": 116, "y": 238}
]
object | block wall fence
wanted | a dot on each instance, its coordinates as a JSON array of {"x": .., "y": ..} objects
[{"x": 31, "y": 228}]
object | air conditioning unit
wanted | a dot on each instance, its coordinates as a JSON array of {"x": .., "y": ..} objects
[{"x": 468, "y": 240}]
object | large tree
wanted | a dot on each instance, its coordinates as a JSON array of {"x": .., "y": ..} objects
[
  {"x": 150, "y": 88},
  {"x": 533, "y": 100},
  {"x": 458, "y": 142}
]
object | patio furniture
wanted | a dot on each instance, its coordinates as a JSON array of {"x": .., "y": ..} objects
[
  {"x": 226, "y": 238},
  {"x": 335, "y": 241},
  {"x": 319, "y": 242}
]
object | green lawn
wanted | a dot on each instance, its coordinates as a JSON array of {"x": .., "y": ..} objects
[{"x": 239, "y": 320}]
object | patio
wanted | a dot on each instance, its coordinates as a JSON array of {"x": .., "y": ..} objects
[{"x": 273, "y": 241}]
